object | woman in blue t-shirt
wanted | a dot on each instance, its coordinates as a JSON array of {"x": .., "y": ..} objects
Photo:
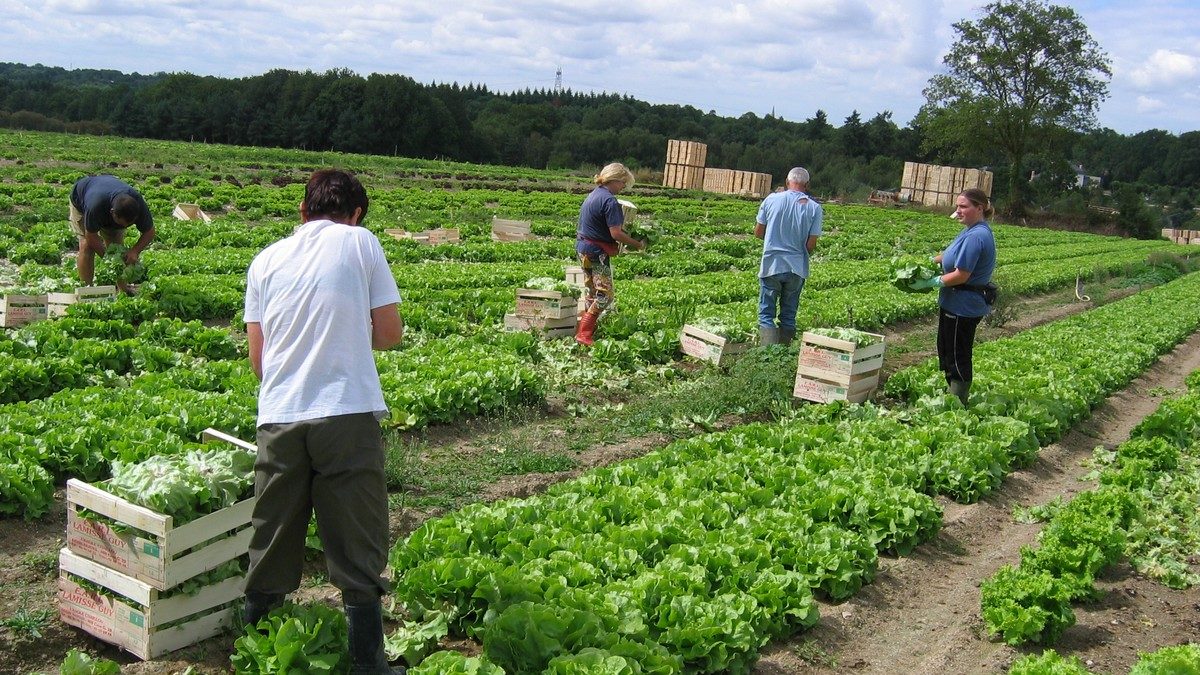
[
  {"x": 968, "y": 263},
  {"x": 601, "y": 222}
]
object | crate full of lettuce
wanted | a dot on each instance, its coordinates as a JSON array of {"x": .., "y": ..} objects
[
  {"x": 715, "y": 340},
  {"x": 547, "y": 298},
  {"x": 838, "y": 364},
  {"x": 170, "y": 517},
  {"x": 156, "y": 555}
]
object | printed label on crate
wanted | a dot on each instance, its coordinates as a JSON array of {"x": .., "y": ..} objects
[
  {"x": 693, "y": 346},
  {"x": 816, "y": 357},
  {"x": 814, "y": 390}
]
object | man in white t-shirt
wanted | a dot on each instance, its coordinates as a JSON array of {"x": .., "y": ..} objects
[{"x": 317, "y": 303}]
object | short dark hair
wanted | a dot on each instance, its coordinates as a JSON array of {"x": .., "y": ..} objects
[
  {"x": 334, "y": 193},
  {"x": 125, "y": 206}
]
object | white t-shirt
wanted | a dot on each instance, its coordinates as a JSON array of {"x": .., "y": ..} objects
[{"x": 312, "y": 293}]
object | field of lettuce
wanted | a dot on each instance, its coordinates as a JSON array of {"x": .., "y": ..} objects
[{"x": 715, "y": 552}]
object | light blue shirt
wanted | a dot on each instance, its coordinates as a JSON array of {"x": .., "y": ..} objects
[
  {"x": 790, "y": 219},
  {"x": 974, "y": 250}
]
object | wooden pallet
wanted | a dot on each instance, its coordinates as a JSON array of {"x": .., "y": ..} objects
[
  {"x": 511, "y": 230},
  {"x": 701, "y": 344},
  {"x": 18, "y": 310},
  {"x": 159, "y": 555},
  {"x": 137, "y": 625},
  {"x": 546, "y": 304},
  {"x": 57, "y": 303}
]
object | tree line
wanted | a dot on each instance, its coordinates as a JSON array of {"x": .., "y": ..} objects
[{"x": 386, "y": 114}]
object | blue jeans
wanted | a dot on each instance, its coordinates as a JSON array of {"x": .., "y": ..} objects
[{"x": 779, "y": 294}]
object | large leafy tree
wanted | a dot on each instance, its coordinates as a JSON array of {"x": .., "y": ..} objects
[{"x": 1016, "y": 79}]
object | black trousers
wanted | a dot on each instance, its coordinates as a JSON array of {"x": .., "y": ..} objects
[
  {"x": 333, "y": 466},
  {"x": 955, "y": 343}
]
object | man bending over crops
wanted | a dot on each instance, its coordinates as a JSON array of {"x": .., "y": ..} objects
[
  {"x": 789, "y": 223},
  {"x": 317, "y": 303},
  {"x": 102, "y": 207}
]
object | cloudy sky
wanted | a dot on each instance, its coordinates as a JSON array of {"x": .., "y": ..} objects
[{"x": 791, "y": 57}]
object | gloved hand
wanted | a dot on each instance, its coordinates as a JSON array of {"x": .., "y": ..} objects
[{"x": 927, "y": 284}]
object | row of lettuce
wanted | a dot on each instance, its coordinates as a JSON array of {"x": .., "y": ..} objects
[
  {"x": 694, "y": 556},
  {"x": 124, "y": 387},
  {"x": 1146, "y": 509}
]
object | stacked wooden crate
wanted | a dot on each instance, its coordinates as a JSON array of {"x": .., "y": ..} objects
[
  {"x": 18, "y": 310},
  {"x": 685, "y": 165},
  {"x": 935, "y": 185},
  {"x": 701, "y": 344},
  {"x": 551, "y": 314},
  {"x": 57, "y": 303},
  {"x": 1181, "y": 236},
  {"x": 830, "y": 369},
  {"x": 140, "y": 558}
]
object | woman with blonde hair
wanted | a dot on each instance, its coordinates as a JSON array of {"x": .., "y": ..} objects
[
  {"x": 965, "y": 292},
  {"x": 600, "y": 231}
]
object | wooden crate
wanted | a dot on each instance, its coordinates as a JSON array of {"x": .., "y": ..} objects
[
  {"x": 191, "y": 212},
  {"x": 159, "y": 554},
  {"x": 57, "y": 303},
  {"x": 706, "y": 346},
  {"x": 838, "y": 361},
  {"x": 683, "y": 177},
  {"x": 445, "y": 235},
  {"x": 574, "y": 275},
  {"x": 511, "y": 230},
  {"x": 820, "y": 391},
  {"x": 546, "y": 304},
  {"x": 547, "y": 328},
  {"x": 138, "y": 626},
  {"x": 690, "y": 153},
  {"x": 18, "y": 310},
  {"x": 718, "y": 180},
  {"x": 935, "y": 185}
]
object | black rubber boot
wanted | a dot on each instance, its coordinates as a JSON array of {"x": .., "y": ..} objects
[
  {"x": 786, "y": 335},
  {"x": 961, "y": 389},
  {"x": 259, "y": 605},
  {"x": 366, "y": 641}
]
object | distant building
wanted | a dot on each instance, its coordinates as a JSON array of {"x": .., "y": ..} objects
[{"x": 1082, "y": 179}]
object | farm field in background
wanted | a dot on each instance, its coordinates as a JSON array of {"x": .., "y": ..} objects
[{"x": 131, "y": 379}]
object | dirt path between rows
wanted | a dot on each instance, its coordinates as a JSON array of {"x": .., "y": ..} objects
[{"x": 921, "y": 615}]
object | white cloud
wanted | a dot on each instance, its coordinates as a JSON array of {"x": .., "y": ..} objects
[
  {"x": 1166, "y": 68},
  {"x": 732, "y": 56},
  {"x": 1146, "y": 104}
]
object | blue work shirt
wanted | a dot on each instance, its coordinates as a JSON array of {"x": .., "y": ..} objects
[
  {"x": 790, "y": 218},
  {"x": 974, "y": 250},
  {"x": 93, "y": 197},
  {"x": 599, "y": 211}
]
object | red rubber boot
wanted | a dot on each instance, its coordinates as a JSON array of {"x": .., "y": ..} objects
[{"x": 586, "y": 328}]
